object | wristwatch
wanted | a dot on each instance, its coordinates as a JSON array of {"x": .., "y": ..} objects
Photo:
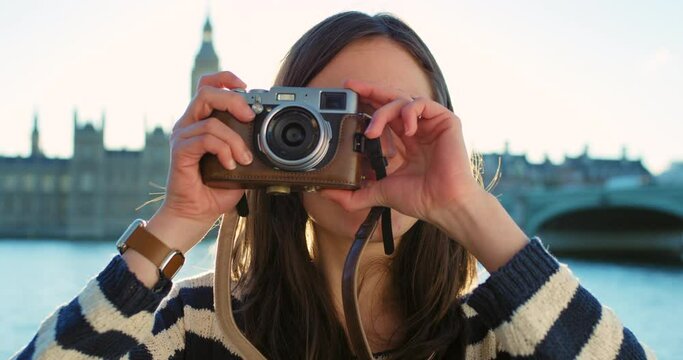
[{"x": 137, "y": 237}]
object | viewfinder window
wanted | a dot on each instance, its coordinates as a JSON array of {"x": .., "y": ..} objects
[{"x": 333, "y": 101}]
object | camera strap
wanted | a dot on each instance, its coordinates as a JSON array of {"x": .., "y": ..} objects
[
  {"x": 359, "y": 342},
  {"x": 226, "y": 240}
]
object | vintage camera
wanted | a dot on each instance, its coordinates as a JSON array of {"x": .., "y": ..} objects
[{"x": 302, "y": 139}]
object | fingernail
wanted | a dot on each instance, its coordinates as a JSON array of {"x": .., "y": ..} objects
[
  {"x": 232, "y": 165},
  {"x": 247, "y": 157}
]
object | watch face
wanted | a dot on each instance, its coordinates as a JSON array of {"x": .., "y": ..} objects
[{"x": 121, "y": 242}]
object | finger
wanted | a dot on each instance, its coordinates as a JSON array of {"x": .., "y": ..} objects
[
  {"x": 430, "y": 114},
  {"x": 222, "y": 79},
  {"x": 375, "y": 94},
  {"x": 388, "y": 143},
  {"x": 386, "y": 114},
  {"x": 360, "y": 199},
  {"x": 412, "y": 113},
  {"x": 210, "y": 98},
  {"x": 215, "y": 127},
  {"x": 194, "y": 148}
]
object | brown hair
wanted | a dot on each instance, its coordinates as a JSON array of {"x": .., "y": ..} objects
[{"x": 286, "y": 310}]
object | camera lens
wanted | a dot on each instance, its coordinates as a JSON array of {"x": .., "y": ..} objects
[
  {"x": 293, "y": 138},
  {"x": 294, "y": 135}
]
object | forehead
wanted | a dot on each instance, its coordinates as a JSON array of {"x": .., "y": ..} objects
[{"x": 378, "y": 60}]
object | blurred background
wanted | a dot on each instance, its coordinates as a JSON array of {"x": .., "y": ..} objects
[{"x": 579, "y": 103}]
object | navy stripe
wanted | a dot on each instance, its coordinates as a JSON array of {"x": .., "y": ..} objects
[
  {"x": 501, "y": 355},
  {"x": 72, "y": 326},
  {"x": 513, "y": 284},
  {"x": 200, "y": 298},
  {"x": 140, "y": 352},
  {"x": 29, "y": 350},
  {"x": 630, "y": 347},
  {"x": 573, "y": 328},
  {"x": 123, "y": 289},
  {"x": 478, "y": 330},
  {"x": 73, "y": 332},
  {"x": 168, "y": 316}
]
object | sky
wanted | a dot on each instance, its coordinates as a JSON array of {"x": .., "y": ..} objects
[{"x": 549, "y": 78}]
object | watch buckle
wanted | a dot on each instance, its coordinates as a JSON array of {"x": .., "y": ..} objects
[{"x": 172, "y": 263}]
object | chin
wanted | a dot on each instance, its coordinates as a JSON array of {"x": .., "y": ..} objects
[{"x": 331, "y": 217}]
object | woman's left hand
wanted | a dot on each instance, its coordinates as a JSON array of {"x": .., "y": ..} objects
[
  {"x": 435, "y": 182},
  {"x": 436, "y": 173}
]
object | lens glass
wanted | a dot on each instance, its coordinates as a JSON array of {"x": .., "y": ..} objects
[{"x": 293, "y": 133}]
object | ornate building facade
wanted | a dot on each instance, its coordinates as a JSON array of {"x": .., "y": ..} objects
[{"x": 96, "y": 193}]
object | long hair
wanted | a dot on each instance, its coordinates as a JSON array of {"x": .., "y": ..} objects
[{"x": 286, "y": 309}]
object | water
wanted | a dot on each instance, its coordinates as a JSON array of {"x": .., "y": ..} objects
[{"x": 40, "y": 275}]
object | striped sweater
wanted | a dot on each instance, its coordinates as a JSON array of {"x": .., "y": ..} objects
[{"x": 533, "y": 307}]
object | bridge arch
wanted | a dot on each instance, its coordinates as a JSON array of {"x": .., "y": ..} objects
[{"x": 569, "y": 206}]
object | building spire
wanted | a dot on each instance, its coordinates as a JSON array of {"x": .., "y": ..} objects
[
  {"x": 35, "y": 138},
  {"x": 75, "y": 119},
  {"x": 206, "y": 61},
  {"x": 103, "y": 121},
  {"x": 207, "y": 23},
  {"x": 208, "y": 30}
]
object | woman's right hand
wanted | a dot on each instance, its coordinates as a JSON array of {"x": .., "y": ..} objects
[{"x": 190, "y": 208}]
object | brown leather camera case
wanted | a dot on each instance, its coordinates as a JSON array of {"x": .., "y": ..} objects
[{"x": 342, "y": 171}]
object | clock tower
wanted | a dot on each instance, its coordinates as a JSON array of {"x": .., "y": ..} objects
[{"x": 206, "y": 61}]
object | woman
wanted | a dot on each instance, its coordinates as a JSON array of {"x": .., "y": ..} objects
[{"x": 415, "y": 304}]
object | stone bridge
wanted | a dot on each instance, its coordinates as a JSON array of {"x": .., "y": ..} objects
[{"x": 643, "y": 220}]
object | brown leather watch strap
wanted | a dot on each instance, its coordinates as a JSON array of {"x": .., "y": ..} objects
[{"x": 167, "y": 260}]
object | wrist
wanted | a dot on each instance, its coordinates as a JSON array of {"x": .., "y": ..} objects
[
  {"x": 481, "y": 224},
  {"x": 177, "y": 232},
  {"x": 143, "y": 268}
]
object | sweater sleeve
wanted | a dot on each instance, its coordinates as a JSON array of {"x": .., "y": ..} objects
[
  {"x": 534, "y": 307},
  {"x": 114, "y": 316}
]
